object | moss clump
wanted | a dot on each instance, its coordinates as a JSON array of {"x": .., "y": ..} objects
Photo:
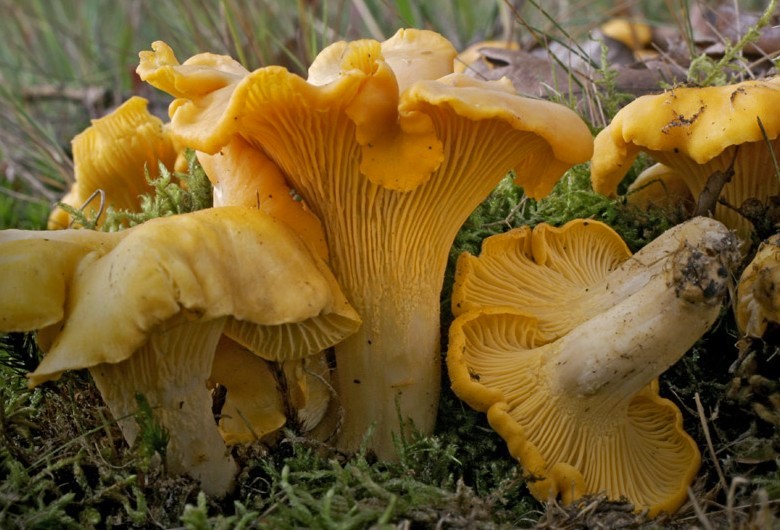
[{"x": 174, "y": 193}]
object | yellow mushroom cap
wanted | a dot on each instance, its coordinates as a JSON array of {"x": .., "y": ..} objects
[
  {"x": 697, "y": 131},
  {"x": 635, "y": 35},
  {"x": 33, "y": 292},
  {"x": 399, "y": 146},
  {"x": 757, "y": 301},
  {"x": 565, "y": 139},
  {"x": 114, "y": 155},
  {"x": 254, "y": 405},
  {"x": 221, "y": 262}
]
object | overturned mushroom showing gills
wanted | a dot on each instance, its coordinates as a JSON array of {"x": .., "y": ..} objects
[
  {"x": 114, "y": 156},
  {"x": 582, "y": 413},
  {"x": 555, "y": 274},
  {"x": 700, "y": 133},
  {"x": 146, "y": 316},
  {"x": 392, "y": 152}
]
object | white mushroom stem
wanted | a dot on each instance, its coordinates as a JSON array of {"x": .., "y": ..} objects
[
  {"x": 171, "y": 370},
  {"x": 390, "y": 369},
  {"x": 652, "y": 261},
  {"x": 612, "y": 356}
]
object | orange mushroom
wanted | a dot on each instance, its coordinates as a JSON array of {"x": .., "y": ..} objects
[
  {"x": 392, "y": 157},
  {"x": 579, "y": 408},
  {"x": 113, "y": 156},
  {"x": 757, "y": 301},
  {"x": 699, "y": 132},
  {"x": 144, "y": 308},
  {"x": 244, "y": 176}
]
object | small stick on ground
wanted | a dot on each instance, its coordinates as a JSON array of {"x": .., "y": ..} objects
[
  {"x": 710, "y": 447},
  {"x": 700, "y": 515}
]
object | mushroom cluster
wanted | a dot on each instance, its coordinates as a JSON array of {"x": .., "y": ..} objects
[
  {"x": 144, "y": 310},
  {"x": 336, "y": 201},
  {"x": 391, "y": 151}
]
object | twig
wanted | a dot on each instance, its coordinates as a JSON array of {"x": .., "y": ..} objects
[
  {"x": 769, "y": 146},
  {"x": 714, "y": 186},
  {"x": 88, "y": 95},
  {"x": 700, "y": 515},
  {"x": 731, "y": 496},
  {"x": 713, "y": 455},
  {"x": 97, "y": 193}
]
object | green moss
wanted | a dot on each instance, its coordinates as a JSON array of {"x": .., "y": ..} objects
[
  {"x": 174, "y": 193},
  {"x": 152, "y": 437}
]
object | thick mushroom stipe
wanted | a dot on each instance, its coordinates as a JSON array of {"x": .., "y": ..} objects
[{"x": 392, "y": 152}]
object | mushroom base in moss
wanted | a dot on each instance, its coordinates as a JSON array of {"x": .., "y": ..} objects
[
  {"x": 179, "y": 397},
  {"x": 144, "y": 309}
]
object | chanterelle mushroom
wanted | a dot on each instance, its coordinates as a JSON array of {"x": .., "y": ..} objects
[
  {"x": 113, "y": 155},
  {"x": 262, "y": 396},
  {"x": 549, "y": 272},
  {"x": 392, "y": 157},
  {"x": 698, "y": 132},
  {"x": 757, "y": 303},
  {"x": 661, "y": 187},
  {"x": 145, "y": 316},
  {"x": 582, "y": 413},
  {"x": 244, "y": 176}
]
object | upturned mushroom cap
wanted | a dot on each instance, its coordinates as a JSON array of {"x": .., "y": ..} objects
[
  {"x": 697, "y": 131},
  {"x": 582, "y": 413},
  {"x": 757, "y": 302},
  {"x": 392, "y": 157},
  {"x": 146, "y": 316},
  {"x": 548, "y": 272},
  {"x": 397, "y": 140},
  {"x": 113, "y": 155}
]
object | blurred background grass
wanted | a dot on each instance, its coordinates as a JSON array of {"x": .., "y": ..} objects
[{"x": 65, "y": 62}]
